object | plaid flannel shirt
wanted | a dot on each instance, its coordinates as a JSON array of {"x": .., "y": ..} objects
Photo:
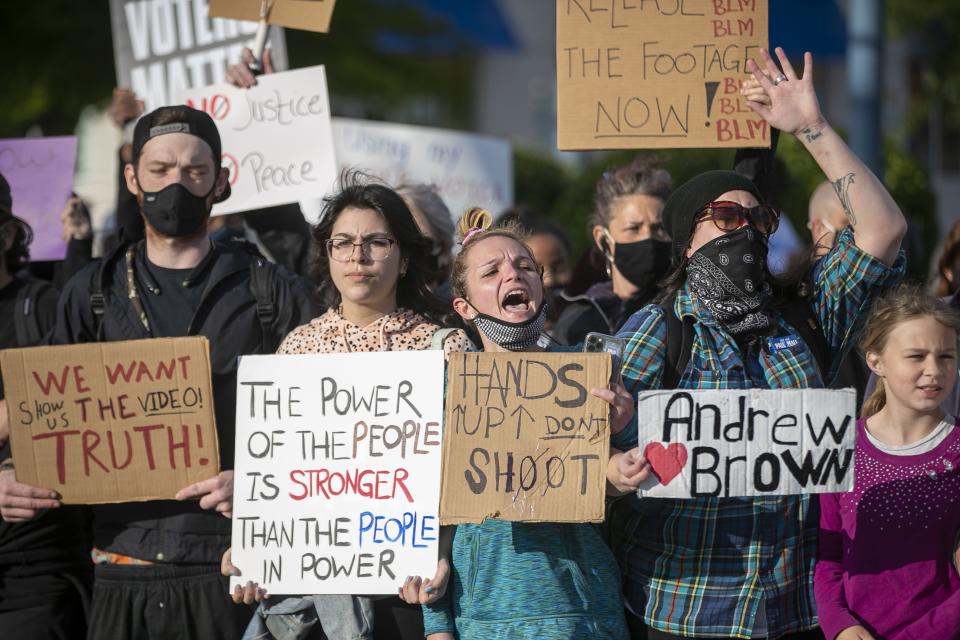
[{"x": 703, "y": 567}]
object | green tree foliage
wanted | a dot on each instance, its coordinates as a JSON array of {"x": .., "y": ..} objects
[
  {"x": 934, "y": 28},
  {"x": 906, "y": 179},
  {"x": 58, "y": 58}
]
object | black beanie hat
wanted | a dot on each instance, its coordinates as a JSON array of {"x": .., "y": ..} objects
[
  {"x": 179, "y": 119},
  {"x": 692, "y": 196}
]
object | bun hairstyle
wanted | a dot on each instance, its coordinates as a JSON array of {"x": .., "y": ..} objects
[
  {"x": 474, "y": 225},
  {"x": 898, "y": 306}
]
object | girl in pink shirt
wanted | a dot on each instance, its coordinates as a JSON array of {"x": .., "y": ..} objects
[{"x": 885, "y": 567}]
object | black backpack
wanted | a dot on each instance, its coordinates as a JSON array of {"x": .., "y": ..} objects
[
  {"x": 26, "y": 320},
  {"x": 261, "y": 285}
]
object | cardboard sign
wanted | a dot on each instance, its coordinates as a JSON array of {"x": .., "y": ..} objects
[
  {"x": 164, "y": 47},
  {"x": 311, "y": 15},
  {"x": 526, "y": 440},
  {"x": 276, "y": 138},
  {"x": 651, "y": 75},
  {"x": 40, "y": 173},
  {"x": 112, "y": 421},
  {"x": 337, "y": 470},
  {"x": 469, "y": 170},
  {"x": 747, "y": 442}
]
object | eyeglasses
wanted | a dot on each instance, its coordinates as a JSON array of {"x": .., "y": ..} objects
[
  {"x": 730, "y": 216},
  {"x": 376, "y": 248}
]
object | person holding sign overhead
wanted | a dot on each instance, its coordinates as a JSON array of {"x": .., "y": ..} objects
[
  {"x": 885, "y": 566},
  {"x": 517, "y": 579},
  {"x": 743, "y": 567},
  {"x": 373, "y": 273},
  {"x": 157, "y": 563}
]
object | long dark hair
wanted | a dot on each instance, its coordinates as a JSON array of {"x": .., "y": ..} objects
[
  {"x": 359, "y": 191},
  {"x": 19, "y": 254}
]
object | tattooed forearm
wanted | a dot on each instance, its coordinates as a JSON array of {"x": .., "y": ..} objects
[
  {"x": 842, "y": 187},
  {"x": 810, "y": 134}
]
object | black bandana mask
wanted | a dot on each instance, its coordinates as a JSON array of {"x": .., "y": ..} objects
[
  {"x": 728, "y": 275},
  {"x": 643, "y": 263},
  {"x": 513, "y": 336},
  {"x": 174, "y": 211}
]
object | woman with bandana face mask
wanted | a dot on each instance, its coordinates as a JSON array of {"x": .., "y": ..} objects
[
  {"x": 549, "y": 580},
  {"x": 754, "y": 557},
  {"x": 628, "y": 232}
]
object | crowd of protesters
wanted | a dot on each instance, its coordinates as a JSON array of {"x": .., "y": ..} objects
[{"x": 680, "y": 274}]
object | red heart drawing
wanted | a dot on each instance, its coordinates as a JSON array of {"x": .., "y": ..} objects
[{"x": 666, "y": 462}]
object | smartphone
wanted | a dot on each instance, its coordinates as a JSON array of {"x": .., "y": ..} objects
[{"x": 602, "y": 343}]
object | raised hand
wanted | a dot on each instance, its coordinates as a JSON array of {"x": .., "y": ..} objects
[
  {"x": 240, "y": 74},
  {"x": 793, "y": 105}
]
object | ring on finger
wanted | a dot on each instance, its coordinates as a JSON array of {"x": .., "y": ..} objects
[{"x": 780, "y": 78}]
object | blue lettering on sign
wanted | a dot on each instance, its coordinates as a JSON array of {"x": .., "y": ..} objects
[
  {"x": 408, "y": 529},
  {"x": 783, "y": 342}
]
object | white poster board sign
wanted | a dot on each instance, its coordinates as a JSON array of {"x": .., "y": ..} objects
[
  {"x": 747, "y": 442},
  {"x": 470, "y": 170},
  {"x": 276, "y": 138},
  {"x": 164, "y": 47},
  {"x": 337, "y": 485}
]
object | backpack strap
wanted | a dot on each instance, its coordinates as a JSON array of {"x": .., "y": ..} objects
[
  {"x": 98, "y": 301},
  {"x": 679, "y": 346},
  {"x": 26, "y": 322},
  {"x": 799, "y": 315},
  {"x": 439, "y": 336},
  {"x": 261, "y": 285}
]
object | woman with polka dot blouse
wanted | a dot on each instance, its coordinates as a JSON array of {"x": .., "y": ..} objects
[
  {"x": 373, "y": 271},
  {"x": 886, "y": 569}
]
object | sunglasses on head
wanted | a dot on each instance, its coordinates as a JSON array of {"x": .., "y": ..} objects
[{"x": 730, "y": 216}]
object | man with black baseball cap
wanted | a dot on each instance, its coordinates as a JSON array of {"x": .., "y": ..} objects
[
  {"x": 735, "y": 327},
  {"x": 157, "y": 564}
]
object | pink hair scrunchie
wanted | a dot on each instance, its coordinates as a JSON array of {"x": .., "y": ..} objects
[{"x": 474, "y": 231}]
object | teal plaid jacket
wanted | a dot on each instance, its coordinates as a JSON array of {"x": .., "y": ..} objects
[{"x": 704, "y": 567}]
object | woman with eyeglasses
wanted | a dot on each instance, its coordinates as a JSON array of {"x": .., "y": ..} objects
[
  {"x": 372, "y": 269},
  {"x": 743, "y": 567}
]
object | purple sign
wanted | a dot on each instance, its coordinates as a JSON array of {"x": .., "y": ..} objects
[{"x": 40, "y": 173}]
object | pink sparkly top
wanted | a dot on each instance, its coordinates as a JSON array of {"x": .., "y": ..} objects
[{"x": 886, "y": 548}]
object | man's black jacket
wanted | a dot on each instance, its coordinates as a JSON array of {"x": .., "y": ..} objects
[{"x": 169, "y": 531}]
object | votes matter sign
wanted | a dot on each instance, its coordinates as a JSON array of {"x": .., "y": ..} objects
[
  {"x": 337, "y": 470},
  {"x": 657, "y": 74},
  {"x": 163, "y": 47},
  {"x": 747, "y": 442},
  {"x": 526, "y": 440},
  {"x": 276, "y": 138},
  {"x": 112, "y": 421}
]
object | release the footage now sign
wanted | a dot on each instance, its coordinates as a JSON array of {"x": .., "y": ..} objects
[{"x": 747, "y": 442}]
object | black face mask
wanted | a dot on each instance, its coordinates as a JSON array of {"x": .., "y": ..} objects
[
  {"x": 174, "y": 211},
  {"x": 728, "y": 275},
  {"x": 643, "y": 263}
]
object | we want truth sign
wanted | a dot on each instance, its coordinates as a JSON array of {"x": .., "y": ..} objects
[{"x": 751, "y": 442}]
